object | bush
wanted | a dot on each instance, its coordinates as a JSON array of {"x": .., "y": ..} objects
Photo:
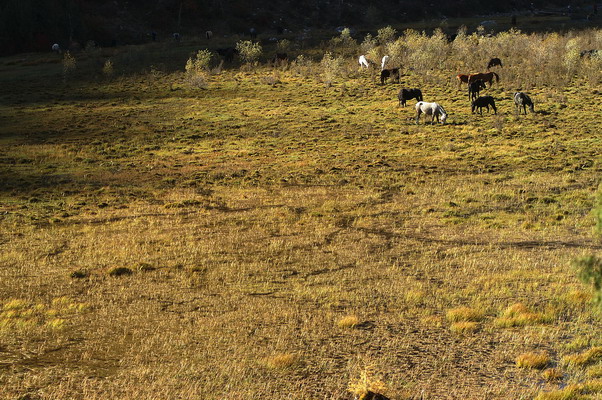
[
  {"x": 197, "y": 68},
  {"x": 331, "y": 68},
  {"x": 248, "y": 51},
  {"x": 589, "y": 271}
]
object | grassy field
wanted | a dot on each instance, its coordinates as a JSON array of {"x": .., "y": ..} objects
[{"x": 274, "y": 237}]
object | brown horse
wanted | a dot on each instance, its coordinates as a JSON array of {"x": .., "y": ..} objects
[
  {"x": 484, "y": 76},
  {"x": 462, "y": 78}
]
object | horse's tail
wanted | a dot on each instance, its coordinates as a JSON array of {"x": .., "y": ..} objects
[{"x": 497, "y": 77}]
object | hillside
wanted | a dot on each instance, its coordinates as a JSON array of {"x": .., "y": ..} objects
[{"x": 35, "y": 25}]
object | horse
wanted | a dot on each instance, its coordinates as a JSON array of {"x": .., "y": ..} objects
[
  {"x": 523, "y": 100},
  {"x": 383, "y": 62},
  {"x": 407, "y": 94},
  {"x": 56, "y": 48},
  {"x": 363, "y": 62},
  {"x": 208, "y": 35},
  {"x": 494, "y": 62},
  {"x": 475, "y": 88},
  {"x": 589, "y": 53},
  {"x": 484, "y": 76},
  {"x": 432, "y": 109},
  {"x": 228, "y": 53},
  {"x": 483, "y": 101},
  {"x": 386, "y": 73},
  {"x": 462, "y": 78}
]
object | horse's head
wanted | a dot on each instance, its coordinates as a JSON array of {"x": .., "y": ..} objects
[{"x": 443, "y": 114}]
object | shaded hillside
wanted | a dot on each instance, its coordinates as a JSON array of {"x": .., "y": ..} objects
[{"x": 30, "y": 25}]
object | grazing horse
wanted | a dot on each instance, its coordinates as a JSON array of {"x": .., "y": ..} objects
[
  {"x": 475, "y": 88},
  {"x": 589, "y": 53},
  {"x": 363, "y": 62},
  {"x": 484, "y": 101},
  {"x": 484, "y": 76},
  {"x": 407, "y": 94},
  {"x": 56, "y": 48},
  {"x": 462, "y": 78},
  {"x": 523, "y": 100},
  {"x": 386, "y": 73},
  {"x": 228, "y": 53},
  {"x": 494, "y": 62},
  {"x": 384, "y": 62},
  {"x": 432, "y": 109}
]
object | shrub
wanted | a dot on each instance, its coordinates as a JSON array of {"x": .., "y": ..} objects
[
  {"x": 248, "y": 51},
  {"x": 386, "y": 35},
  {"x": 197, "y": 68},
  {"x": 518, "y": 315},
  {"x": 589, "y": 271},
  {"x": 331, "y": 68},
  {"x": 69, "y": 65},
  {"x": 107, "y": 69}
]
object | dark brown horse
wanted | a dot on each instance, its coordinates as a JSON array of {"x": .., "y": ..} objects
[
  {"x": 462, "y": 78},
  {"x": 494, "y": 62},
  {"x": 486, "y": 77},
  {"x": 392, "y": 73}
]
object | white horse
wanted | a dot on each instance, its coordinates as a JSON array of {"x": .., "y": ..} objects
[
  {"x": 363, "y": 62},
  {"x": 56, "y": 48},
  {"x": 384, "y": 62},
  {"x": 432, "y": 109}
]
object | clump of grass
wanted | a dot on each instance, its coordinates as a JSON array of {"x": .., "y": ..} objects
[
  {"x": 464, "y": 327},
  {"x": 107, "y": 69},
  {"x": 367, "y": 382},
  {"x": 145, "y": 267},
  {"x": 15, "y": 304},
  {"x": 464, "y": 314},
  {"x": 552, "y": 374},
  {"x": 349, "y": 321},
  {"x": 595, "y": 371},
  {"x": 518, "y": 315},
  {"x": 79, "y": 274},
  {"x": 535, "y": 360},
  {"x": 56, "y": 323},
  {"x": 120, "y": 271},
  {"x": 568, "y": 393},
  {"x": 585, "y": 358},
  {"x": 282, "y": 360}
]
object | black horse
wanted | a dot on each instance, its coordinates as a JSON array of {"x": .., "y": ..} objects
[
  {"x": 228, "y": 53},
  {"x": 494, "y": 62},
  {"x": 407, "y": 94},
  {"x": 523, "y": 100},
  {"x": 484, "y": 101},
  {"x": 389, "y": 73},
  {"x": 474, "y": 88}
]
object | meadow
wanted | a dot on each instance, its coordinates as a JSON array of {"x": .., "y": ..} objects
[{"x": 289, "y": 232}]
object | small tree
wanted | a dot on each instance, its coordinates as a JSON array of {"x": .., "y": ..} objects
[
  {"x": 197, "y": 68},
  {"x": 331, "y": 67},
  {"x": 249, "y": 51},
  {"x": 69, "y": 65},
  {"x": 589, "y": 271}
]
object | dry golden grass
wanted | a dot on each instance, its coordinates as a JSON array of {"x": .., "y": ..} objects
[
  {"x": 255, "y": 213},
  {"x": 535, "y": 360},
  {"x": 585, "y": 358},
  {"x": 349, "y": 321},
  {"x": 552, "y": 374},
  {"x": 464, "y": 314},
  {"x": 519, "y": 315}
]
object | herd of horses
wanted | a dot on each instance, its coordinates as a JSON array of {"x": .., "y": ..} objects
[{"x": 475, "y": 82}]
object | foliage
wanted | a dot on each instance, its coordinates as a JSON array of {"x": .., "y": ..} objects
[
  {"x": 249, "y": 51},
  {"x": 331, "y": 68},
  {"x": 589, "y": 271}
]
